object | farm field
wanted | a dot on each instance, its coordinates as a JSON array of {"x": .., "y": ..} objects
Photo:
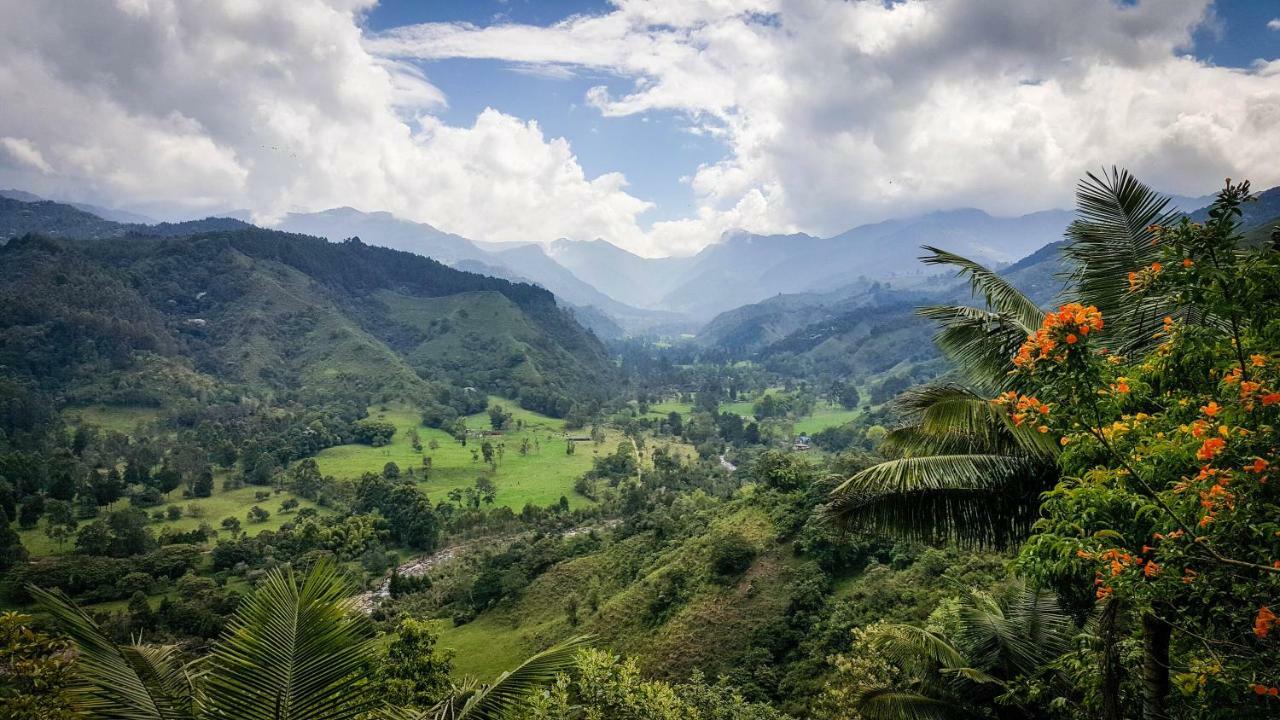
[{"x": 541, "y": 476}]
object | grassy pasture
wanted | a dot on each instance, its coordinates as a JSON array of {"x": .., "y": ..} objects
[{"x": 540, "y": 477}]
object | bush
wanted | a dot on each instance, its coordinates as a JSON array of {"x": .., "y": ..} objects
[{"x": 731, "y": 555}]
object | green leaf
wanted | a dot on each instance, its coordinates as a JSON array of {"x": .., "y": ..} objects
[{"x": 295, "y": 650}]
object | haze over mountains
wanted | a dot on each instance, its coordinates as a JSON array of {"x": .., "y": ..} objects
[
  {"x": 615, "y": 292},
  {"x": 742, "y": 268}
]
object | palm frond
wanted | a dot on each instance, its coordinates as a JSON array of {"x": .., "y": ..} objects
[
  {"x": 1112, "y": 238},
  {"x": 119, "y": 682},
  {"x": 914, "y": 648},
  {"x": 501, "y": 698},
  {"x": 893, "y": 704},
  {"x": 1016, "y": 635},
  {"x": 972, "y": 500},
  {"x": 954, "y": 419},
  {"x": 295, "y": 651},
  {"x": 999, "y": 294},
  {"x": 981, "y": 343}
]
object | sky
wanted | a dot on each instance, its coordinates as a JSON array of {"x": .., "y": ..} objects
[{"x": 658, "y": 126}]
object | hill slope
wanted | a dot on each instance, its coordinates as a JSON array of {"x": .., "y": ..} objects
[{"x": 278, "y": 316}]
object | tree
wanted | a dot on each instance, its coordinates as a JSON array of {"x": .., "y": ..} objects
[
  {"x": 11, "y": 550},
  {"x": 965, "y": 472},
  {"x": 108, "y": 487},
  {"x": 373, "y": 431},
  {"x": 289, "y": 505},
  {"x": 60, "y": 521},
  {"x": 305, "y": 478},
  {"x": 486, "y": 449},
  {"x": 486, "y": 490},
  {"x": 292, "y": 650},
  {"x": 846, "y": 393},
  {"x": 391, "y": 471},
  {"x": 993, "y": 647},
  {"x": 202, "y": 485},
  {"x": 257, "y": 514},
  {"x": 414, "y": 672},
  {"x": 499, "y": 418},
  {"x": 37, "y": 670},
  {"x": 231, "y": 524},
  {"x": 1165, "y": 506},
  {"x": 29, "y": 511}
]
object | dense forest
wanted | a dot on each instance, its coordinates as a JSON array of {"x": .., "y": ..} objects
[{"x": 254, "y": 474}]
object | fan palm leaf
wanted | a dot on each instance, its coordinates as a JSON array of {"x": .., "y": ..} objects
[
  {"x": 120, "y": 682},
  {"x": 295, "y": 650}
]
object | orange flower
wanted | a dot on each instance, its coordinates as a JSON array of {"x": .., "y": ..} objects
[
  {"x": 1210, "y": 448},
  {"x": 1257, "y": 466},
  {"x": 1072, "y": 339},
  {"x": 1188, "y": 262},
  {"x": 1151, "y": 569},
  {"x": 1270, "y": 399},
  {"x": 1157, "y": 268},
  {"x": 1258, "y": 360},
  {"x": 1212, "y": 409},
  {"x": 1263, "y": 623}
]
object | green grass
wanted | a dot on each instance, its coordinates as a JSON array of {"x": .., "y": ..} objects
[
  {"x": 121, "y": 419},
  {"x": 540, "y": 477},
  {"x": 484, "y": 647},
  {"x": 825, "y": 415},
  {"x": 223, "y": 503}
]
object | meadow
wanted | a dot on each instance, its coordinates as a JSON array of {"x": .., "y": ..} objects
[
  {"x": 825, "y": 415},
  {"x": 540, "y": 476}
]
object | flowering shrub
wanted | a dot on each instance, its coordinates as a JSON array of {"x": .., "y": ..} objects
[{"x": 1167, "y": 500}]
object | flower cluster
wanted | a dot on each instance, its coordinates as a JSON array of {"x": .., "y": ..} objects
[
  {"x": 1264, "y": 622},
  {"x": 1068, "y": 326},
  {"x": 1144, "y": 278},
  {"x": 1023, "y": 407}
]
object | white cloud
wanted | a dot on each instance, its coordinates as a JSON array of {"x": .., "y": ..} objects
[
  {"x": 1273, "y": 24},
  {"x": 833, "y": 112},
  {"x": 844, "y": 112},
  {"x": 24, "y": 153},
  {"x": 274, "y": 107}
]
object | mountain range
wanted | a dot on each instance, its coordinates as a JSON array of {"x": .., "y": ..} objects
[{"x": 615, "y": 292}]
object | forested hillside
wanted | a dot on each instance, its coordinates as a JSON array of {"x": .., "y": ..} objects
[{"x": 143, "y": 319}]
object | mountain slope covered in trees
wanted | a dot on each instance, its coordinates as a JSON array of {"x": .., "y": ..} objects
[{"x": 274, "y": 315}]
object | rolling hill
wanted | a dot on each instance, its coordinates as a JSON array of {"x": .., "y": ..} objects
[{"x": 150, "y": 318}]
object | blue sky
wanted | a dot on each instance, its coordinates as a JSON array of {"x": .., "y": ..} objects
[{"x": 653, "y": 150}]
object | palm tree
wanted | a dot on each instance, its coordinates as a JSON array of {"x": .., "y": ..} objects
[
  {"x": 294, "y": 650},
  {"x": 961, "y": 471},
  {"x": 997, "y": 640}
]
